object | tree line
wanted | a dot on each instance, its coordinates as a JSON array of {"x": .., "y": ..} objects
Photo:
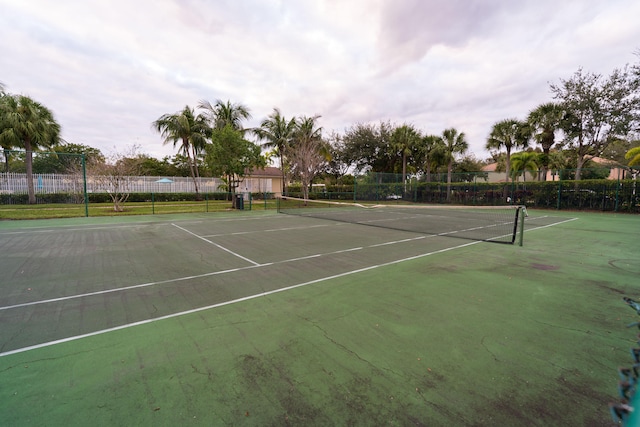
[{"x": 590, "y": 115}]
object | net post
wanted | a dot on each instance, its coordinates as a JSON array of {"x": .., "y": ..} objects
[{"x": 522, "y": 213}]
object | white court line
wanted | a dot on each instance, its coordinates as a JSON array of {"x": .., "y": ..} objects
[
  {"x": 549, "y": 225},
  {"x": 198, "y": 276},
  {"x": 217, "y": 245},
  {"x": 209, "y": 307},
  {"x": 88, "y": 228},
  {"x": 271, "y": 230},
  {"x": 126, "y": 288},
  {"x": 143, "y": 322},
  {"x": 214, "y": 273}
]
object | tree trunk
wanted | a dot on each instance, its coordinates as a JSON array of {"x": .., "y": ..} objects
[
  {"x": 192, "y": 166},
  {"x": 545, "y": 162},
  {"x": 508, "y": 164},
  {"x": 283, "y": 185},
  {"x": 579, "y": 164},
  {"x": 6, "y": 160}
]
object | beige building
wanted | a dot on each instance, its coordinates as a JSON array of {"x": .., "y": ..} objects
[{"x": 267, "y": 180}]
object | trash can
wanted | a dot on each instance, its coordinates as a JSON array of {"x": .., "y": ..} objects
[{"x": 239, "y": 202}]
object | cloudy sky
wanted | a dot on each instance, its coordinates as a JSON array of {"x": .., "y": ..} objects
[{"x": 109, "y": 68}]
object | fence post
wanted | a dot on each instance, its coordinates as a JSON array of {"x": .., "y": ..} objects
[
  {"x": 84, "y": 180},
  {"x": 355, "y": 187},
  {"x": 617, "y": 191}
]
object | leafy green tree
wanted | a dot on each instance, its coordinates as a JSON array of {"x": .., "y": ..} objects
[
  {"x": 150, "y": 166},
  {"x": 27, "y": 124},
  {"x": 616, "y": 150},
  {"x": 454, "y": 143},
  {"x": 278, "y": 132},
  {"x": 468, "y": 168},
  {"x": 339, "y": 164},
  {"x": 367, "y": 147},
  {"x": 500, "y": 159},
  {"x": 181, "y": 164},
  {"x": 544, "y": 122},
  {"x": 232, "y": 157},
  {"x": 509, "y": 134},
  {"x": 66, "y": 158},
  {"x": 590, "y": 169},
  {"x": 187, "y": 131},
  {"x": 598, "y": 110}
]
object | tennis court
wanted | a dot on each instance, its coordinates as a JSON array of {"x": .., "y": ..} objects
[{"x": 273, "y": 319}]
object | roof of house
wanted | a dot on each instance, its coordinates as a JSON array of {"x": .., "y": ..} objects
[
  {"x": 601, "y": 161},
  {"x": 268, "y": 172}
]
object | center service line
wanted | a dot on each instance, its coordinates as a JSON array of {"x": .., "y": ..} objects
[{"x": 217, "y": 245}]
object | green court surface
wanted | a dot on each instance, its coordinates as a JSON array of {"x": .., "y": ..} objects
[{"x": 258, "y": 318}]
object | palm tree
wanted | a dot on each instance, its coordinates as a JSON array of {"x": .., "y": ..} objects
[
  {"x": 404, "y": 140},
  {"x": 431, "y": 153},
  {"x": 557, "y": 163},
  {"x": 544, "y": 122},
  {"x": 523, "y": 162},
  {"x": 633, "y": 156},
  {"x": 6, "y": 147},
  {"x": 189, "y": 131},
  {"x": 508, "y": 134},
  {"x": 27, "y": 124},
  {"x": 225, "y": 113},
  {"x": 454, "y": 143},
  {"x": 278, "y": 132}
]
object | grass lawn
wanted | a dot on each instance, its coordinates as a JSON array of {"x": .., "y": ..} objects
[{"x": 42, "y": 211}]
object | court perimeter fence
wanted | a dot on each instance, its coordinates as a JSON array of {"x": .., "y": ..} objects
[
  {"x": 604, "y": 189},
  {"x": 612, "y": 195}
]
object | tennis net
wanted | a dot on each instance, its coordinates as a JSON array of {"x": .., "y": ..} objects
[{"x": 486, "y": 223}]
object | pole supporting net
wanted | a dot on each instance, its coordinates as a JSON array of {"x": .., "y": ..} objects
[{"x": 486, "y": 223}]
